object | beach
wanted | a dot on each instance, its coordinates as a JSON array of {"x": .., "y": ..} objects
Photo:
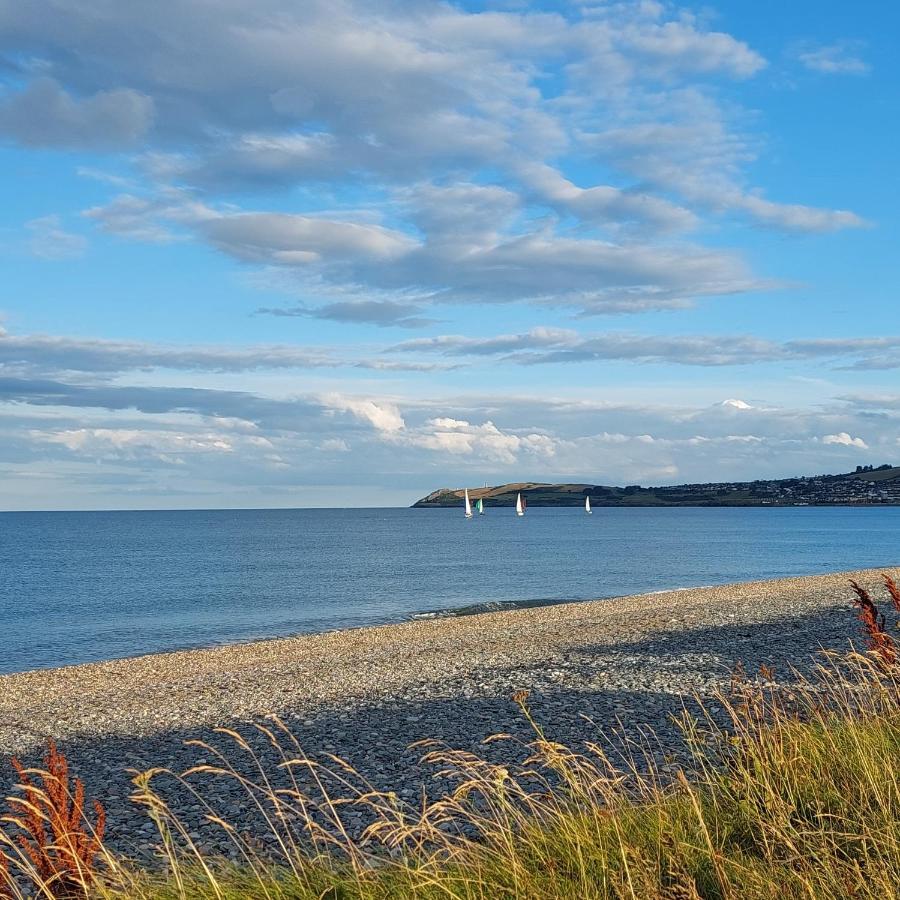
[{"x": 367, "y": 694}]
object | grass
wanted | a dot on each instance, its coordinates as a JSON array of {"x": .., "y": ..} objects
[{"x": 785, "y": 791}]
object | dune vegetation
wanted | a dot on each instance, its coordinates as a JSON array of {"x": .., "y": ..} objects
[{"x": 788, "y": 787}]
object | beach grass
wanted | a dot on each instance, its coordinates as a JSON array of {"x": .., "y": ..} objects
[{"x": 787, "y": 788}]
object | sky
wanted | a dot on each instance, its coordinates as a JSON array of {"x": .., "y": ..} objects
[{"x": 342, "y": 253}]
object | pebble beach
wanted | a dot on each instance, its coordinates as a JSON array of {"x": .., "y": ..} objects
[{"x": 367, "y": 694}]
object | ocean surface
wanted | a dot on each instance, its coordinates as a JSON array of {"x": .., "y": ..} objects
[{"x": 84, "y": 586}]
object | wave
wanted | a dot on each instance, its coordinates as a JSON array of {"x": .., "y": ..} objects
[
  {"x": 474, "y": 609},
  {"x": 489, "y": 606}
]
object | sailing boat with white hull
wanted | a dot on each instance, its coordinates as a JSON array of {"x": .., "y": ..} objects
[
  {"x": 520, "y": 505},
  {"x": 468, "y": 505},
  {"x": 587, "y": 504}
]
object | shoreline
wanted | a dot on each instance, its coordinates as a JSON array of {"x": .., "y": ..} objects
[
  {"x": 485, "y": 608},
  {"x": 252, "y": 661},
  {"x": 367, "y": 694}
]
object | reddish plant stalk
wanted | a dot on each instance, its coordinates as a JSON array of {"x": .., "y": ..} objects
[
  {"x": 56, "y": 836},
  {"x": 879, "y": 640},
  {"x": 893, "y": 590}
]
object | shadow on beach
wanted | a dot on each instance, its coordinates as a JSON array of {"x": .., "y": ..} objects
[{"x": 601, "y": 693}]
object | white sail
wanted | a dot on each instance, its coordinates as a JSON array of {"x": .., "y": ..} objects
[
  {"x": 468, "y": 505},
  {"x": 519, "y": 510},
  {"x": 587, "y": 505}
]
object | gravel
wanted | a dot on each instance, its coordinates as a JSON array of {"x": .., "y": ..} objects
[{"x": 366, "y": 694}]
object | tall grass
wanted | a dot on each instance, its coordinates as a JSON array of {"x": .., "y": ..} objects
[{"x": 785, "y": 790}]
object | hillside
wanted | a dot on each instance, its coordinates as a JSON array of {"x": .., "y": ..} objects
[{"x": 867, "y": 485}]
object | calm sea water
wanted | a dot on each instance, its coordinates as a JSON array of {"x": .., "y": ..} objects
[{"x": 83, "y": 586}]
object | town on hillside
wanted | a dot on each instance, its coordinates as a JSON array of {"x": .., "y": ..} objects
[{"x": 866, "y": 485}]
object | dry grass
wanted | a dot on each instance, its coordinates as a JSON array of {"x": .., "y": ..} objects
[{"x": 786, "y": 791}]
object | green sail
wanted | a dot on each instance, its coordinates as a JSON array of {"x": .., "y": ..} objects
[{"x": 480, "y": 506}]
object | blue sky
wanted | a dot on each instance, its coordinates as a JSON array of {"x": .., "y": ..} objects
[{"x": 342, "y": 253}]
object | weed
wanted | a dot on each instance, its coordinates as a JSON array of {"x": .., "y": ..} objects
[{"x": 53, "y": 834}]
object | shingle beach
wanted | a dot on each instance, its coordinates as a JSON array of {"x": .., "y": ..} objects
[{"x": 367, "y": 694}]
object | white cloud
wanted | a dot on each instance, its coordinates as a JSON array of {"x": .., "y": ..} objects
[
  {"x": 735, "y": 404},
  {"x": 485, "y": 441},
  {"x": 186, "y": 436},
  {"x": 167, "y": 446},
  {"x": 282, "y": 239},
  {"x": 603, "y": 203},
  {"x": 383, "y": 416},
  {"x": 418, "y": 156},
  {"x": 796, "y": 217},
  {"x": 680, "y": 45},
  {"x": 478, "y": 261},
  {"x": 444, "y": 120},
  {"x": 844, "y": 439}
]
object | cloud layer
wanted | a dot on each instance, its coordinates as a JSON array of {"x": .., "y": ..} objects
[
  {"x": 459, "y": 171},
  {"x": 462, "y": 137},
  {"x": 113, "y": 412}
]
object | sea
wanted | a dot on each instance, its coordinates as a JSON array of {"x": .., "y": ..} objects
[{"x": 79, "y": 587}]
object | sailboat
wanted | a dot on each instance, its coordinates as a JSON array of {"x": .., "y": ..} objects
[
  {"x": 468, "y": 505},
  {"x": 479, "y": 505},
  {"x": 520, "y": 505},
  {"x": 587, "y": 504}
]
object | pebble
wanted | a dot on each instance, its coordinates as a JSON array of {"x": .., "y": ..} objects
[{"x": 592, "y": 668}]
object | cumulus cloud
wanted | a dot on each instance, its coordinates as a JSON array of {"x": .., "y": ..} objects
[
  {"x": 604, "y": 203},
  {"x": 845, "y": 440},
  {"x": 795, "y": 216},
  {"x": 734, "y": 403},
  {"x": 283, "y": 239},
  {"x": 360, "y": 87},
  {"x": 383, "y": 416},
  {"x": 444, "y": 118},
  {"x": 682, "y": 46},
  {"x": 380, "y": 160},
  {"x": 477, "y": 261},
  {"x": 44, "y": 114},
  {"x": 485, "y": 441},
  {"x": 188, "y": 433}
]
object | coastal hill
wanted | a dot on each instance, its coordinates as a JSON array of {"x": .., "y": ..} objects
[{"x": 867, "y": 485}]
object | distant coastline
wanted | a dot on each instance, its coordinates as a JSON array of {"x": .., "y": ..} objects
[{"x": 867, "y": 486}]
